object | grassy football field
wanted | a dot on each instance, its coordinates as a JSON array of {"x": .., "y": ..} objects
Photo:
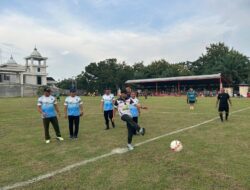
[{"x": 215, "y": 156}]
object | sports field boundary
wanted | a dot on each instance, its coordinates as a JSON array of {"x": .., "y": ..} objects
[{"x": 113, "y": 152}]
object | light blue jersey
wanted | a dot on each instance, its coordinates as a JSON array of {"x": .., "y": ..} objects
[
  {"x": 47, "y": 106},
  {"x": 73, "y": 105},
  {"x": 107, "y": 102},
  {"x": 133, "y": 107},
  {"x": 191, "y": 96}
]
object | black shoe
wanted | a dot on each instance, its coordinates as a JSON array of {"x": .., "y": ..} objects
[
  {"x": 107, "y": 128},
  {"x": 142, "y": 131}
]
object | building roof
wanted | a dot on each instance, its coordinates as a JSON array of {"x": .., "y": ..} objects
[
  {"x": 243, "y": 84},
  {"x": 50, "y": 79},
  {"x": 11, "y": 61},
  {"x": 12, "y": 66},
  {"x": 36, "y": 55},
  {"x": 180, "y": 78}
]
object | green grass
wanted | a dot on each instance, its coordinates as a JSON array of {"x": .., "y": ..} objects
[{"x": 215, "y": 155}]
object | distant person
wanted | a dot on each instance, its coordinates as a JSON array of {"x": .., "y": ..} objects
[
  {"x": 145, "y": 95},
  {"x": 58, "y": 97},
  {"x": 73, "y": 109},
  {"x": 47, "y": 107},
  {"x": 107, "y": 108},
  {"x": 128, "y": 92},
  {"x": 191, "y": 98},
  {"x": 223, "y": 100},
  {"x": 122, "y": 105}
]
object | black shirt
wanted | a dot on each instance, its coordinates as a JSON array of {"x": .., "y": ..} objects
[{"x": 223, "y": 97}]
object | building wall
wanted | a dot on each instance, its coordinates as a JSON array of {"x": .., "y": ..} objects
[
  {"x": 229, "y": 91},
  {"x": 44, "y": 79},
  {"x": 244, "y": 90},
  {"x": 30, "y": 79},
  {"x": 15, "y": 90},
  {"x": 7, "y": 90},
  {"x": 30, "y": 90},
  {"x": 12, "y": 78}
]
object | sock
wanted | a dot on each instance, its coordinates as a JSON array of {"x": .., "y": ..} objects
[
  {"x": 107, "y": 126},
  {"x": 227, "y": 116},
  {"x": 221, "y": 116}
]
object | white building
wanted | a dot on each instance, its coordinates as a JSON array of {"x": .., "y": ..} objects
[{"x": 23, "y": 80}]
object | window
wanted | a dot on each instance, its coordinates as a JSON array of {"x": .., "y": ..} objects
[
  {"x": 39, "y": 80},
  {"x": 38, "y": 70},
  {"x": 6, "y": 77},
  {"x": 1, "y": 78}
]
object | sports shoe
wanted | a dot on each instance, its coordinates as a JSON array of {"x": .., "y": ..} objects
[
  {"x": 47, "y": 141},
  {"x": 130, "y": 147},
  {"x": 142, "y": 131},
  {"x": 59, "y": 138}
]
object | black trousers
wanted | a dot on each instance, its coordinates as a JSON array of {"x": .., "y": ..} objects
[
  {"x": 73, "y": 120},
  {"x": 135, "y": 119},
  {"x": 54, "y": 121},
  {"x": 108, "y": 115},
  {"x": 131, "y": 125}
]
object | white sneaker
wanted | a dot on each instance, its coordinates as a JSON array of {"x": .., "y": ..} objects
[
  {"x": 130, "y": 147},
  {"x": 47, "y": 141},
  {"x": 59, "y": 138}
]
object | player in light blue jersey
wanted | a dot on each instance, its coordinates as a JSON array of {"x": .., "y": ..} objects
[
  {"x": 47, "y": 107},
  {"x": 134, "y": 107},
  {"x": 107, "y": 108},
  {"x": 73, "y": 109},
  {"x": 191, "y": 98}
]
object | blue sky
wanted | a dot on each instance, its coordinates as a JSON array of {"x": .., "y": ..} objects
[{"x": 73, "y": 33}]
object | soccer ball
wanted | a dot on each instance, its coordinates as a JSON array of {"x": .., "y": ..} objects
[{"x": 176, "y": 146}]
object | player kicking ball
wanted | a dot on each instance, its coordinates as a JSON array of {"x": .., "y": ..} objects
[
  {"x": 122, "y": 104},
  {"x": 223, "y": 100}
]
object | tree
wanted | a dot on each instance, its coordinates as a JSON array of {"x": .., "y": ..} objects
[
  {"x": 220, "y": 59},
  {"x": 110, "y": 74}
]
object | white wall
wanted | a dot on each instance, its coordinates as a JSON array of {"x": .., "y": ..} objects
[{"x": 244, "y": 90}]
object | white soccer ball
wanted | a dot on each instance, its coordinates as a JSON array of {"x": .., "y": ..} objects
[{"x": 176, "y": 146}]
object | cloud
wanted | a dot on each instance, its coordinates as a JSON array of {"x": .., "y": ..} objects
[
  {"x": 70, "y": 43},
  {"x": 65, "y": 52}
]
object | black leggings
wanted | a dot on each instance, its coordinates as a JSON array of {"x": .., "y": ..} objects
[
  {"x": 73, "y": 120},
  {"x": 131, "y": 125},
  {"x": 108, "y": 115}
]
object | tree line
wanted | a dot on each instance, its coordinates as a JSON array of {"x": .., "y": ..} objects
[{"x": 109, "y": 73}]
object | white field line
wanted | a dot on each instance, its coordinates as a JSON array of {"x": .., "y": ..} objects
[{"x": 113, "y": 152}]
